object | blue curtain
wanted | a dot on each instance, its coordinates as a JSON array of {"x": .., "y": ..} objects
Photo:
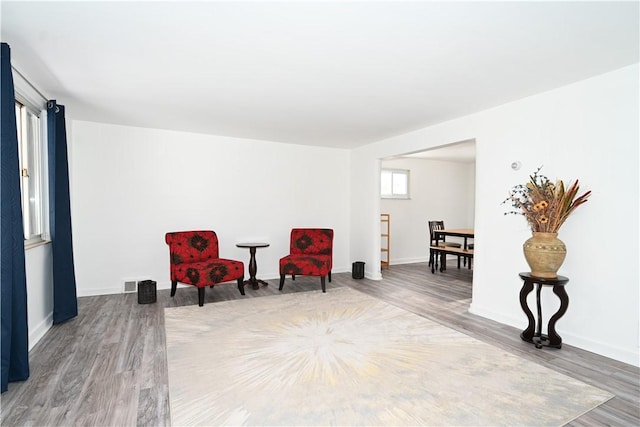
[
  {"x": 13, "y": 294},
  {"x": 65, "y": 302}
]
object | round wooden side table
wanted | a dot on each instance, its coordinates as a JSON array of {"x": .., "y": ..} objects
[{"x": 253, "y": 266}]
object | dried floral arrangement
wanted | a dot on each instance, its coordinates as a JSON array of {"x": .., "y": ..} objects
[{"x": 545, "y": 205}]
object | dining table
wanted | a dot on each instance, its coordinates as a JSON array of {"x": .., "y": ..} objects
[
  {"x": 465, "y": 233},
  {"x": 440, "y": 251}
]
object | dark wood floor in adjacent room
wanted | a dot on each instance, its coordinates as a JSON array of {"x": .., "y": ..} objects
[{"x": 108, "y": 367}]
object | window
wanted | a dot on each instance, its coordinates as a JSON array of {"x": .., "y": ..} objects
[
  {"x": 31, "y": 170},
  {"x": 394, "y": 184}
]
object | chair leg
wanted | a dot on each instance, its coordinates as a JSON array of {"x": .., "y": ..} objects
[
  {"x": 293, "y": 277},
  {"x": 324, "y": 289},
  {"x": 459, "y": 262},
  {"x": 241, "y": 285},
  {"x": 329, "y": 277},
  {"x": 432, "y": 263},
  {"x": 281, "y": 282},
  {"x": 200, "y": 297},
  {"x": 174, "y": 286}
]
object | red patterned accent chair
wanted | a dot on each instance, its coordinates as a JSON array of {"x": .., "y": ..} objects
[
  {"x": 194, "y": 261},
  {"x": 310, "y": 254}
]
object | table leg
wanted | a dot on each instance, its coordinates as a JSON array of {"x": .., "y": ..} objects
[
  {"x": 464, "y": 259},
  {"x": 434, "y": 254},
  {"x": 431, "y": 261},
  {"x": 538, "y": 333},
  {"x": 253, "y": 269},
  {"x": 527, "y": 334},
  {"x": 554, "y": 339}
]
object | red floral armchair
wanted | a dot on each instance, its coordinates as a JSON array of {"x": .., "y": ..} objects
[
  {"x": 194, "y": 261},
  {"x": 310, "y": 254}
]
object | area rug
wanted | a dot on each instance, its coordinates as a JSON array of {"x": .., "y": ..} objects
[{"x": 344, "y": 358}]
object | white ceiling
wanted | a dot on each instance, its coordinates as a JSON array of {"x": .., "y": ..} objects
[{"x": 333, "y": 73}]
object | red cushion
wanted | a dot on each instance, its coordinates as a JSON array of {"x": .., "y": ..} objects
[
  {"x": 306, "y": 265},
  {"x": 208, "y": 273}
]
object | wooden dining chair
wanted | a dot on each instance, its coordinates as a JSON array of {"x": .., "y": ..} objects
[
  {"x": 435, "y": 226},
  {"x": 439, "y": 225}
]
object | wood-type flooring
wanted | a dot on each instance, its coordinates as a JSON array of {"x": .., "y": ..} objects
[{"x": 108, "y": 366}]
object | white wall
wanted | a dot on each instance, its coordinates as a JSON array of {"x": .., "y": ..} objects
[
  {"x": 586, "y": 130},
  {"x": 439, "y": 190},
  {"x": 129, "y": 186},
  {"x": 39, "y": 269}
]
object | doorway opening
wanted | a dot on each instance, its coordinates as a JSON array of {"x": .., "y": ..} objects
[{"x": 441, "y": 186}]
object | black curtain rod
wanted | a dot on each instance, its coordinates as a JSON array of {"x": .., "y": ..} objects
[{"x": 44, "y": 98}]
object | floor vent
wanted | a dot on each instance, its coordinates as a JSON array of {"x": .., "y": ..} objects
[{"x": 130, "y": 286}]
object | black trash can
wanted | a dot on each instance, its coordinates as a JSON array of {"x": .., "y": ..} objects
[
  {"x": 146, "y": 292},
  {"x": 357, "y": 270}
]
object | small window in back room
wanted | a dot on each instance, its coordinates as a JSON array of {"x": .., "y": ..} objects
[{"x": 394, "y": 184}]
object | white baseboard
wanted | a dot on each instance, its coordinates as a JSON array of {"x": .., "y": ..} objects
[
  {"x": 606, "y": 350},
  {"x": 112, "y": 290},
  {"x": 92, "y": 292},
  {"x": 620, "y": 354},
  {"x": 398, "y": 261},
  {"x": 38, "y": 332}
]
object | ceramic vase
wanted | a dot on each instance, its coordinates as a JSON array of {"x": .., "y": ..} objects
[{"x": 545, "y": 254}]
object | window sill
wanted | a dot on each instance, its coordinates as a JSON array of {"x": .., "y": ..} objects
[{"x": 32, "y": 245}]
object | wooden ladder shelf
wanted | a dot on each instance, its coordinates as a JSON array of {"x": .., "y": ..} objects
[{"x": 385, "y": 231}]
